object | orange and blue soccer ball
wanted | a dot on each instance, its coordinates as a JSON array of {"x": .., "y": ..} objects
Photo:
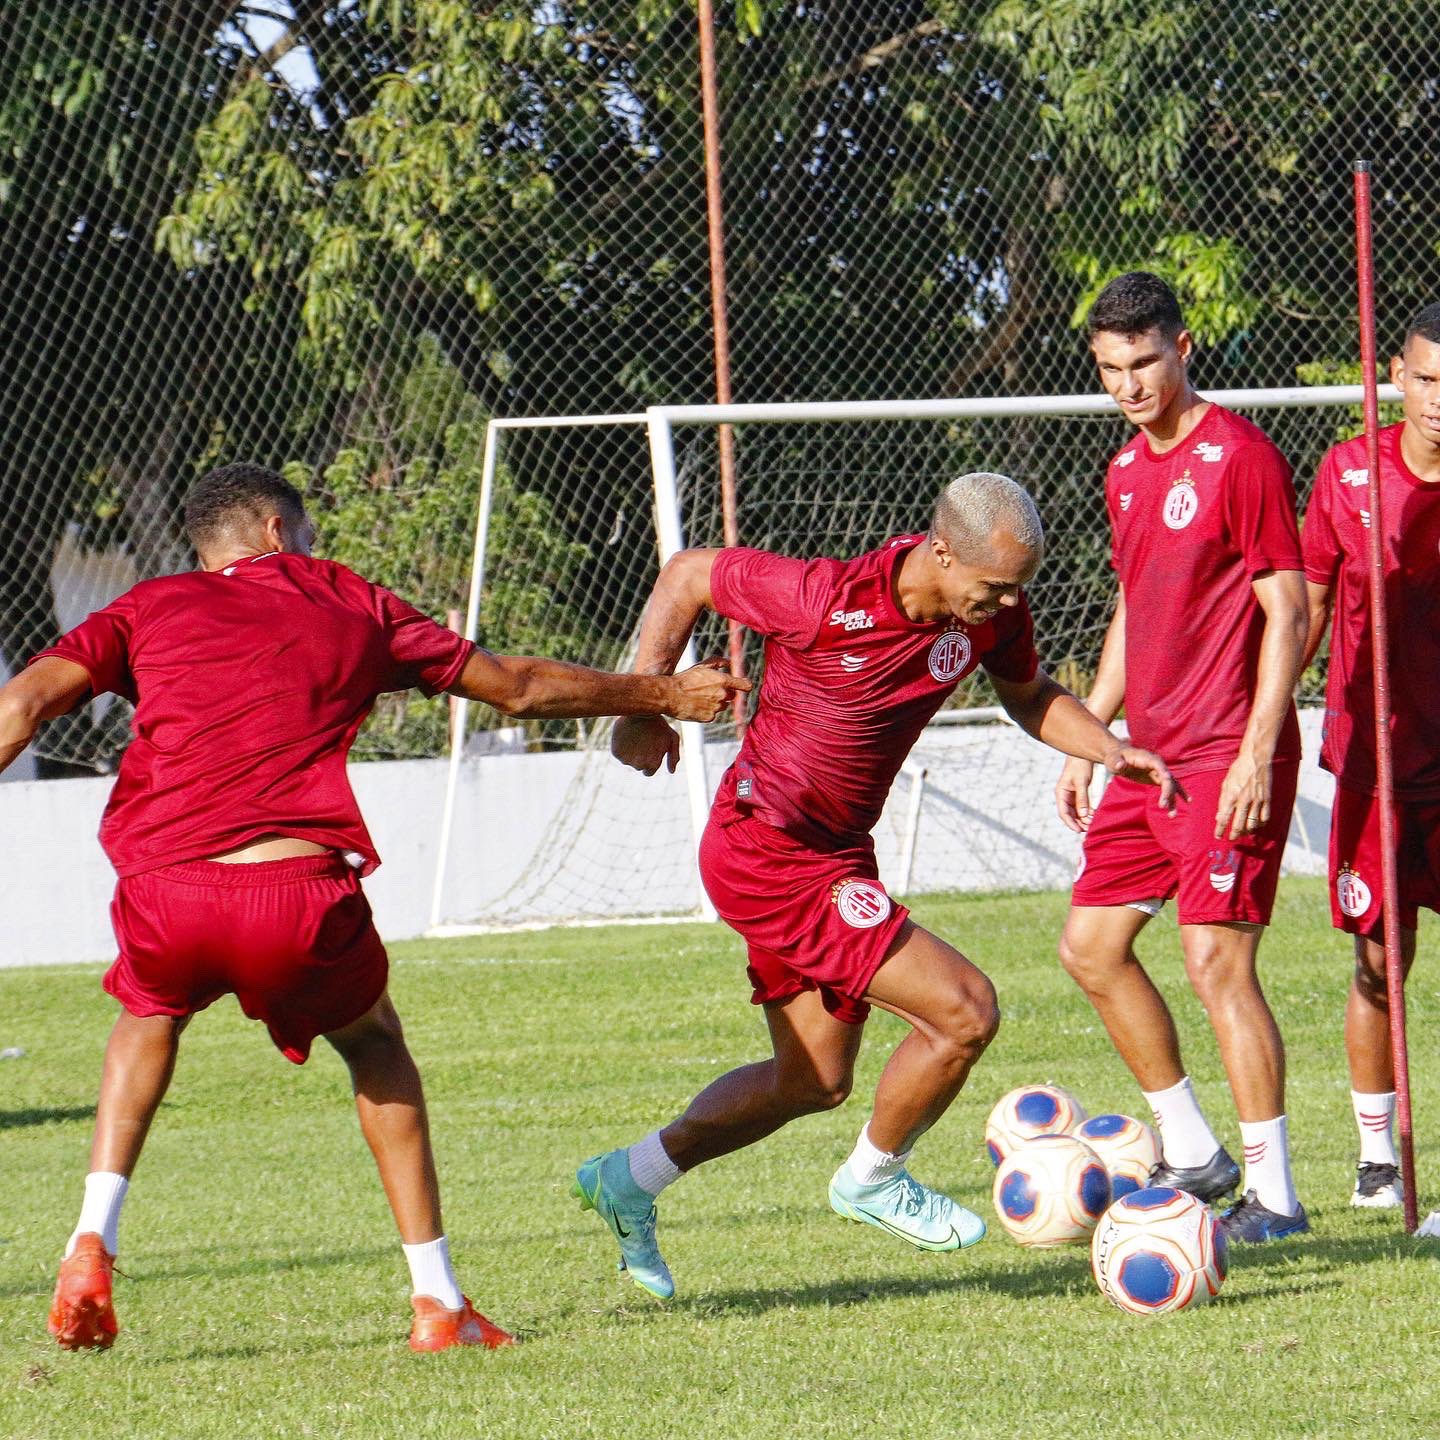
[
  {"x": 1158, "y": 1250},
  {"x": 1050, "y": 1190},
  {"x": 1128, "y": 1148},
  {"x": 1027, "y": 1112}
]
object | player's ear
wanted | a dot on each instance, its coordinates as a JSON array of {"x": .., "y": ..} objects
[
  {"x": 1397, "y": 371},
  {"x": 940, "y": 549},
  {"x": 1185, "y": 346}
]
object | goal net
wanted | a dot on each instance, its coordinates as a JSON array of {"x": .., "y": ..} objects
[{"x": 542, "y": 826}]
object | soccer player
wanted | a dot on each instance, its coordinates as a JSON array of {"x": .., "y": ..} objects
[
  {"x": 239, "y": 846},
  {"x": 859, "y": 655},
  {"x": 1203, "y": 651},
  {"x": 1337, "y": 562}
]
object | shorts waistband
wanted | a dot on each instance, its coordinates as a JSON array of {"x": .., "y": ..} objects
[{"x": 258, "y": 872}]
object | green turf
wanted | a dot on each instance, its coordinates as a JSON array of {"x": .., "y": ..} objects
[{"x": 265, "y": 1294}]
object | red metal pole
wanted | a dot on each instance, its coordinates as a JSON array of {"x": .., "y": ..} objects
[
  {"x": 720, "y": 316},
  {"x": 1380, "y": 645}
]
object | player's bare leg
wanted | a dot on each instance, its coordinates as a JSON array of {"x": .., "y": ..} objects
[
  {"x": 1220, "y": 961},
  {"x": 951, "y": 1009},
  {"x": 811, "y": 1070},
  {"x": 1372, "y": 1073},
  {"x": 390, "y": 1101},
  {"x": 1097, "y": 949},
  {"x": 139, "y": 1062}
]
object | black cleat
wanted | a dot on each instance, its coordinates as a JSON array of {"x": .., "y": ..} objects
[
  {"x": 1217, "y": 1177},
  {"x": 1377, "y": 1187},
  {"x": 1250, "y": 1222}
]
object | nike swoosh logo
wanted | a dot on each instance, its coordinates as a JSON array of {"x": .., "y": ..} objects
[
  {"x": 620, "y": 1230},
  {"x": 900, "y": 1234}
]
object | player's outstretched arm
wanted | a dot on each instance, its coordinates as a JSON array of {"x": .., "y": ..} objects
[
  {"x": 1044, "y": 708},
  {"x": 1072, "y": 790},
  {"x": 532, "y": 688},
  {"x": 675, "y": 604},
  {"x": 48, "y": 688},
  {"x": 1245, "y": 794}
]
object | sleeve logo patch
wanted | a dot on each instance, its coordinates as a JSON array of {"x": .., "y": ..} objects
[
  {"x": 861, "y": 903},
  {"x": 949, "y": 656}
]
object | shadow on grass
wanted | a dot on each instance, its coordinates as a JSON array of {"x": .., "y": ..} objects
[
  {"x": 202, "y": 1268},
  {"x": 52, "y": 1115}
]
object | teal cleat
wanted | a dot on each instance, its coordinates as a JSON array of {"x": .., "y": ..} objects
[
  {"x": 604, "y": 1184},
  {"x": 902, "y": 1206}
]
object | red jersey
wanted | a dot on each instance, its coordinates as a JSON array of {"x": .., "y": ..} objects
[
  {"x": 1337, "y": 554},
  {"x": 1190, "y": 529},
  {"x": 850, "y": 682},
  {"x": 249, "y": 684}
]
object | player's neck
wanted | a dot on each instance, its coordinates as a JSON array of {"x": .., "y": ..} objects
[
  {"x": 1421, "y": 456},
  {"x": 917, "y": 587},
  {"x": 1176, "y": 422}
]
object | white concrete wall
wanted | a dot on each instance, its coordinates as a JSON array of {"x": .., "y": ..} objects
[{"x": 621, "y": 844}]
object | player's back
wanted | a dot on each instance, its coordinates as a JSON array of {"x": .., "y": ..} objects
[{"x": 249, "y": 686}]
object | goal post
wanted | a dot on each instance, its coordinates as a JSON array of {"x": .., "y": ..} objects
[{"x": 577, "y": 513}]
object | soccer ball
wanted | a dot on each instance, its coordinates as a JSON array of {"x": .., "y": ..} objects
[
  {"x": 1129, "y": 1149},
  {"x": 1158, "y": 1250},
  {"x": 1027, "y": 1112},
  {"x": 1050, "y": 1191}
]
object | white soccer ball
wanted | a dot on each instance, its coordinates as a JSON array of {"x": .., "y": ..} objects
[
  {"x": 1027, "y": 1112},
  {"x": 1158, "y": 1250},
  {"x": 1050, "y": 1191},
  {"x": 1128, "y": 1148}
]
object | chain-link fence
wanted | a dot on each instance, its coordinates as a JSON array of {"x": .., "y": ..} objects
[{"x": 338, "y": 237}]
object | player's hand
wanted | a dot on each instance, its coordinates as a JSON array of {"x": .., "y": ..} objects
[
  {"x": 1244, "y": 798},
  {"x": 703, "y": 692},
  {"x": 1072, "y": 794},
  {"x": 1149, "y": 769},
  {"x": 645, "y": 743}
]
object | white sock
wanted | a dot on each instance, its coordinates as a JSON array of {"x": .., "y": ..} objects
[
  {"x": 869, "y": 1165},
  {"x": 1374, "y": 1116},
  {"x": 100, "y": 1212},
  {"x": 432, "y": 1274},
  {"x": 1186, "y": 1139},
  {"x": 1267, "y": 1164},
  {"x": 650, "y": 1167}
]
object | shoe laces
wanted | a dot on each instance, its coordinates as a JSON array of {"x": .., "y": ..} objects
[{"x": 915, "y": 1199}]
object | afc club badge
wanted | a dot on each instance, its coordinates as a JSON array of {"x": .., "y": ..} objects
[
  {"x": 1352, "y": 893},
  {"x": 1181, "y": 503},
  {"x": 949, "y": 656},
  {"x": 860, "y": 903}
]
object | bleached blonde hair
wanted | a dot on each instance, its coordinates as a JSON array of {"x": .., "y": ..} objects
[{"x": 972, "y": 507}]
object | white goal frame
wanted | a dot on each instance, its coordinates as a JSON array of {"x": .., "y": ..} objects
[{"x": 660, "y": 422}]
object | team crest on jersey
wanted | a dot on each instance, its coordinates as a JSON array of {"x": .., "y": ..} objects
[
  {"x": 1352, "y": 893},
  {"x": 1224, "y": 864},
  {"x": 861, "y": 904},
  {"x": 1209, "y": 452},
  {"x": 949, "y": 655},
  {"x": 1126, "y": 500},
  {"x": 1355, "y": 477},
  {"x": 853, "y": 619},
  {"x": 1124, "y": 458},
  {"x": 1181, "y": 503}
]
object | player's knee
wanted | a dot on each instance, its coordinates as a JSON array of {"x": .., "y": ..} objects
[
  {"x": 374, "y": 1035},
  {"x": 1369, "y": 984},
  {"x": 971, "y": 1020},
  {"x": 1080, "y": 959},
  {"x": 1214, "y": 966},
  {"x": 811, "y": 1091}
]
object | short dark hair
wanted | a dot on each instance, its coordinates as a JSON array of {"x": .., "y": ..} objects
[
  {"x": 218, "y": 494},
  {"x": 1133, "y": 304},
  {"x": 1425, "y": 323}
]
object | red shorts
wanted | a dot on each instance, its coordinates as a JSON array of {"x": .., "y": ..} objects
[
  {"x": 292, "y": 940},
  {"x": 1134, "y": 851},
  {"x": 812, "y": 919},
  {"x": 1356, "y": 895}
]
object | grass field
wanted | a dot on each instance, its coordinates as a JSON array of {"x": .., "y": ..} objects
[{"x": 265, "y": 1293}]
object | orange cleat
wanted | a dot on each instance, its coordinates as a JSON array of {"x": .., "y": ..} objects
[
  {"x": 437, "y": 1328},
  {"x": 82, "y": 1315}
]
